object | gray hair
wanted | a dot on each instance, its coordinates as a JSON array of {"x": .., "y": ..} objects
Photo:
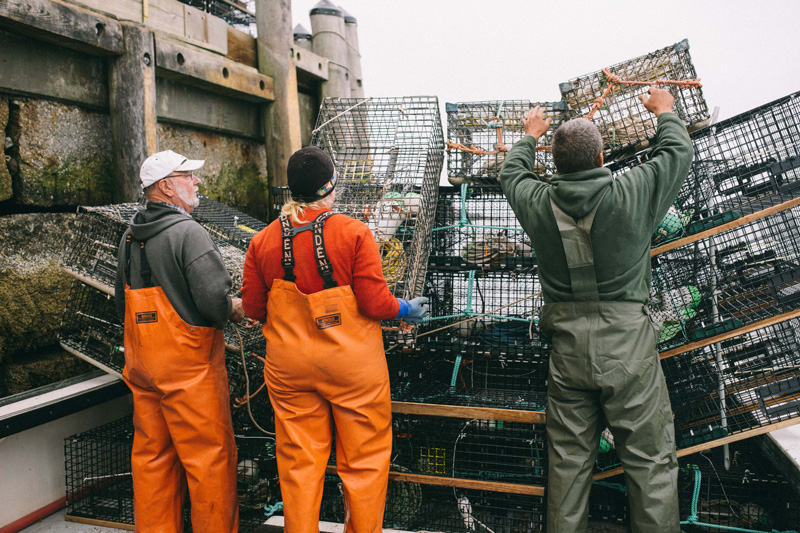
[{"x": 576, "y": 145}]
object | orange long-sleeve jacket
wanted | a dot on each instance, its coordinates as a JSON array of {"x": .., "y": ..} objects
[{"x": 351, "y": 249}]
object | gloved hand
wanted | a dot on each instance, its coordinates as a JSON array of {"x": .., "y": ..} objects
[{"x": 418, "y": 310}]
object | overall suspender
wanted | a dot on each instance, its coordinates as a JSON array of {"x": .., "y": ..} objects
[
  {"x": 575, "y": 237},
  {"x": 323, "y": 264},
  {"x": 144, "y": 266}
]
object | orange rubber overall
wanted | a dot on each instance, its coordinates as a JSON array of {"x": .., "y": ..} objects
[
  {"x": 326, "y": 367},
  {"x": 181, "y": 418}
]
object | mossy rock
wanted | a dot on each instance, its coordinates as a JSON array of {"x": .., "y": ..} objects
[
  {"x": 37, "y": 370},
  {"x": 241, "y": 187},
  {"x": 35, "y": 301}
]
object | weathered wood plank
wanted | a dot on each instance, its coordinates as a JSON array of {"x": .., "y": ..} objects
[
  {"x": 65, "y": 25},
  {"x": 61, "y": 73},
  {"x": 475, "y": 484},
  {"x": 212, "y": 72},
  {"x": 192, "y": 106},
  {"x": 480, "y": 413},
  {"x": 132, "y": 84},
  {"x": 730, "y": 334},
  {"x": 282, "y": 119},
  {"x": 725, "y": 227},
  {"x": 242, "y": 48},
  {"x": 712, "y": 444}
]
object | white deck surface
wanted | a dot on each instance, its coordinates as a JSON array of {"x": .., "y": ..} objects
[{"x": 55, "y": 523}]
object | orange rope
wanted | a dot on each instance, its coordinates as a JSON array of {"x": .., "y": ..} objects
[
  {"x": 613, "y": 79},
  {"x": 238, "y": 402}
]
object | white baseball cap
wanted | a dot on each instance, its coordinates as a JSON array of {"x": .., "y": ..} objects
[{"x": 159, "y": 166}]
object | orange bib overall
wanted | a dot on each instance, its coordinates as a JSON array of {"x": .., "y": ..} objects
[
  {"x": 326, "y": 368},
  {"x": 181, "y": 416}
]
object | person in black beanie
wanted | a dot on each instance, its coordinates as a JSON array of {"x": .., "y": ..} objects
[{"x": 315, "y": 279}]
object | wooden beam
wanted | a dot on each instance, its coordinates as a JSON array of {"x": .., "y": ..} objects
[
  {"x": 475, "y": 484},
  {"x": 725, "y": 227},
  {"x": 282, "y": 117},
  {"x": 311, "y": 67},
  {"x": 62, "y": 24},
  {"x": 457, "y": 411},
  {"x": 730, "y": 334},
  {"x": 61, "y": 74},
  {"x": 242, "y": 48},
  {"x": 683, "y": 452},
  {"x": 210, "y": 71},
  {"x": 132, "y": 108},
  {"x": 102, "y": 523},
  {"x": 97, "y": 284},
  {"x": 192, "y": 106}
]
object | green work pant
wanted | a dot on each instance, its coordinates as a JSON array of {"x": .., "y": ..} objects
[{"x": 604, "y": 358}]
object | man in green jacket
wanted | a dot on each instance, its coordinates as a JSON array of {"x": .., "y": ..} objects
[{"x": 591, "y": 234}]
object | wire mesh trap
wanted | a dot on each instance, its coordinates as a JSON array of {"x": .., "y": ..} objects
[
  {"x": 100, "y": 487},
  {"x": 93, "y": 250},
  {"x": 479, "y": 135},
  {"x": 388, "y": 157},
  {"x": 417, "y": 507},
  {"x": 724, "y": 281},
  {"x": 741, "y": 166},
  {"x": 475, "y": 348},
  {"x": 622, "y": 119},
  {"x": 476, "y": 228},
  {"x": 751, "y": 496},
  {"x": 226, "y": 224},
  {"x": 739, "y": 384},
  {"x": 488, "y": 450}
]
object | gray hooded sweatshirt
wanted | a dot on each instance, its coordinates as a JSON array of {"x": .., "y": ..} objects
[{"x": 184, "y": 261}]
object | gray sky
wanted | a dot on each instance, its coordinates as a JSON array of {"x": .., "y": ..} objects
[{"x": 745, "y": 52}]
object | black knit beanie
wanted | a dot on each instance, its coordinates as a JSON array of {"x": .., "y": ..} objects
[{"x": 310, "y": 174}]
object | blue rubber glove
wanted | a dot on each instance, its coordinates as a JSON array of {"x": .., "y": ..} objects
[{"x": 413, "y": 311}]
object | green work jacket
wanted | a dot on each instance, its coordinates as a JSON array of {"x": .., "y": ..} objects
[{"x": 628, "y": 215}]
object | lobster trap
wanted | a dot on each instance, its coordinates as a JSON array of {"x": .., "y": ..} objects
[
  {"x": 736, "y": 385},
  {"x": 100, "y": 487},
  {"x": 476, "y": 348},
  {"x": 741, "y": 166},
  {"x": 414, "y": 506},
  {"x": 479, "y": 135},
  {"x": 92, "y": 253},
  {"x": 476, "y": 228},
  {"x": 745, "y": 274},
  {"x": 749, "y": 496},
  {"x": 488, "y": 450},
  {"x": 622, "y": 119},
  {"x": 388, "y": 157},
  {"x": 225, "y": 224}
]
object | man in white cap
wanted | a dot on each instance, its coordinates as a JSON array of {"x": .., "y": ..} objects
[{"x": 173, "y": 291}]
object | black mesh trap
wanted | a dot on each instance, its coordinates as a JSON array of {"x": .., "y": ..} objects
[
  {"x": 100, "y": 487},
  {"x": 741, "y": 166},
  {"x": 388, "y": 154},
  {"x": 475, "y": 347},
  {"x": 623, "y": 121},
  {"x": 476, "y": 228},
  {"x": 480, "y": 133},
  {"x": 725, "y": 281},
  {"x": 226, "y": 224},
  {"x": 488, "y": 450},
  {"x": 414, "y": 506},
  {"x": 750, "y": 495},
  {"x": 739, "y": 384}
]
